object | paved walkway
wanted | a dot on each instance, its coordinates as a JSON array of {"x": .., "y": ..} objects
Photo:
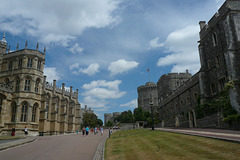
[
  {"x": 85, "y": 151},
  {"x": 222, "y": 134}
]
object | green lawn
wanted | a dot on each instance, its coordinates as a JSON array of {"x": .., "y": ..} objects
[{"x": 142, "y": 144}]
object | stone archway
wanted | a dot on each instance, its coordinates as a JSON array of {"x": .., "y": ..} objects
[{"x": 192, "y": 119}]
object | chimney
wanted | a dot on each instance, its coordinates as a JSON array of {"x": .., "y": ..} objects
[{"x": 202, "y": 24}]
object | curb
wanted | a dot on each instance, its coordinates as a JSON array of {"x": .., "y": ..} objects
[
  {"x": 17, "y": 143},
  {"x": 99, "y": 155}
]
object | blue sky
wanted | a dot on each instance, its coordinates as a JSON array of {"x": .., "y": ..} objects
[{"x": 104, "y": 47}]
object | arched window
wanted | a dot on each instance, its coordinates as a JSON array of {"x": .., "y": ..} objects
[
  {"x": 17, "y": 85},
  {"x": 1, "y": 103},
  {"x": 27, "y": 84},
  {"x": 47, "y": 105},
  {"x": 34, "y": 112},
  {"x": 39, "y": 65},
  {"x": 214, "y": 38},
  {"x": 24, "y": 112},
  {"x": 37, "y": 85},
  {"x": 57, "y": 103},
  {"x": 14, "y": 111},
  {"x": 29, "y": 63}
]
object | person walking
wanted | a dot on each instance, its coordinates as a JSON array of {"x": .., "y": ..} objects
[
  {"x": 25, "y": 131},
  {"x": 83, "y": 131},
  {"x": 87, "y": 130},
  {"x": 101, "y": 129},
  {"x": 13, "y": 132}
]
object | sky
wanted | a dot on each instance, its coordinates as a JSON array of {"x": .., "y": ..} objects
[{"x": 105, "y": 47}]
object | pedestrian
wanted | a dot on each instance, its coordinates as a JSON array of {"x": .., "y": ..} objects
[
  {"x": 25, "y": 131},
  {"x": 101, "y": 131},
  {"x": 95, "y": 130},
  {"x": 87, "y": 130},
  {"x": 77, "y": 131},
  {"x": 83, "y": 131},
  {"x": 13, "y": 132},
  {"x": 110, "y": 132}
]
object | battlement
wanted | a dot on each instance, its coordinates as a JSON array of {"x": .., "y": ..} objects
[
  {"x": 147, "y": 86},
  {"x": 60, "y": 90},
  {"x": 24, "y": 52},
  {"x": 175, "y": 75}
]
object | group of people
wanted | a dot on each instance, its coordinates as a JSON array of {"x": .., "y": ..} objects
[
  {"x": 14, "y": 130},
  {"x": 87, "y": 130}
]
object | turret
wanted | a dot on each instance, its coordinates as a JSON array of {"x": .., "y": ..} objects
[{"x": 3, "y": 45}]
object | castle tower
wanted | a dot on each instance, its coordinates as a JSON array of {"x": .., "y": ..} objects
[
  {"x": 168, "y": 83},
  {"x": 145, "y": 93}
]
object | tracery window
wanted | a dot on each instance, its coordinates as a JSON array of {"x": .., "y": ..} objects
[
  {"x": 37, "y": 85},
  {"x": 17, "y": 85},
  {"x": 24, "y": 112},
  {"x": 14, "y": 111},
  {"x": 34, "y": 112},
  {"x": 47, "y": 105},
  {"x": 39, "y": 65},
  {"x": 10, "y": 65},
  {"x": 1, "y": 102},
  {"x": 29, "y": 63},
  {"x": 20, "y": 63},
  {"x": 27, "y": 85}
]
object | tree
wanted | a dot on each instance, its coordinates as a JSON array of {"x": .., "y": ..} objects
[
  {"x": 140, "y": 115},
  {"x": 109, "y": 124},
  {"x": 90, "y": 120},
  {"x": 99, "y": 122},
  {"x": 125, "y": 117}
]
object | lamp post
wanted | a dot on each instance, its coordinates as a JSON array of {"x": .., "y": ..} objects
[{"x": 151, "y": 106}]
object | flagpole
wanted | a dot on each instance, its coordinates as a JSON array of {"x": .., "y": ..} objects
[{"x": 149, "y": 74}]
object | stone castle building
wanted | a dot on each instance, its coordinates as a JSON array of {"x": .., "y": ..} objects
[
  {"x": 28, "y": 100},
  {"x": 219, "y": 50}
]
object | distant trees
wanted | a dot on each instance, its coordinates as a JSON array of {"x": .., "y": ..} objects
[
  {"x": 125, "y": 117},
  {"x": 138, "y": 115}
]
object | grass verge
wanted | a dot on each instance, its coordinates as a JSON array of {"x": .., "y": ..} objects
[{"x": 141, "y": 144}]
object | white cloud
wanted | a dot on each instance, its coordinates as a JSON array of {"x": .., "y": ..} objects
[
  {"x": 131, "y": 104},
  {"x": 154, "y": 43},
  {"x": 102, "y": 89},
  {"x": 76, "y": 49},
  {"x": 51, "y": 74},
  {"x": 91, "y": 70},
  {"x": 121, "y": 66},
  {"x": 56, "y": 21},
  {"x": 182, "y": 46},
  {"x": 97, "y": 92}
]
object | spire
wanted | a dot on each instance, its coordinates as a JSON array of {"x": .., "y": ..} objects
[
  {"x": 44, "y": 50},
  {"x": 17, "y": 46},
  {"x": 3, "y": 41}
]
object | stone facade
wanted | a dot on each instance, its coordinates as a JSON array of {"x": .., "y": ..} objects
[
  {"x": 26, "y": 99},
  {"x": 219, "y": 50}
]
